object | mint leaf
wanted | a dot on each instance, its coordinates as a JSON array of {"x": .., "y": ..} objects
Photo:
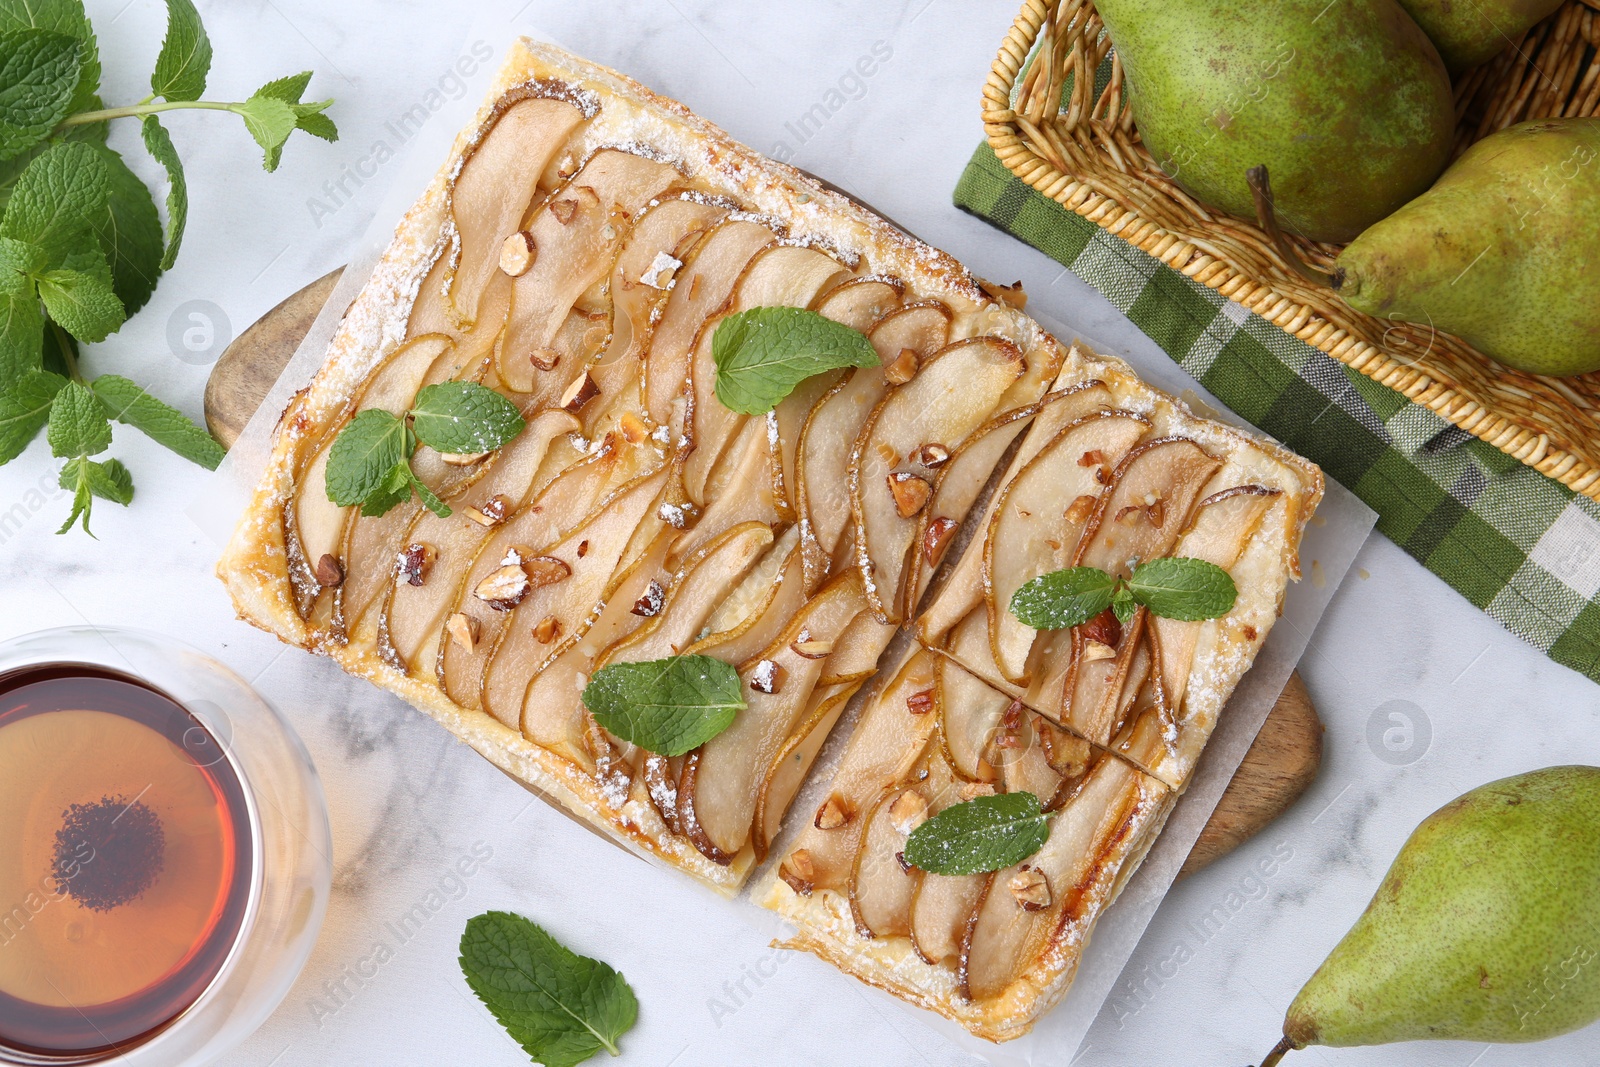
[
  {"x": 289, "y": 90},
  {"x": 1188, "y": 590},
  {"x": 78, "y": 424},
  {"x": 185, "y": 58},
  {"x": 429, "y": 499},
  {"x": 86, "y": 479},
  {"x": 83, "y": 303},
  {"x": 984, "y": 834},
  {"x": 270, "y": 121},
  {"x": 1123, "y": 605},
  {"x": 666, "y": 706},
  {"x": 129, "y": 229},
  {"x": 394, "y": 490},
  {"x": 763, "y": 353},
  {"x": 307, "y": 117},
  {"x": 21, "y": 317},
  {"x": 64, "y": 17},
  {"x": 24, "y": 409},
  {"x": 162, "y": 423},
  {"x": 1062, "y": 599},
  {"x": 60, "y": 195},
  {"x": 38, "y": 75},
  {"x": 159, "y": 145},
  {"x": 559, "y": 1006},
  {"x": 364, "y": 455},
  {"x": 464, "y": 417}
]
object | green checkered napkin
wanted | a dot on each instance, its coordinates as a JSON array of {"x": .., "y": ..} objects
[{"x": 1523, "y": 548}]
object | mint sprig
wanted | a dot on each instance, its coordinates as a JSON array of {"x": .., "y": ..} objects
[
  {"x": 984, "y": 834},
  {"x": 763, "y": 353},
  {"x": 561, "y": 1007},
  {"x": 1188, "y": 590},
  {"x": 666, "y": 706},
  {"x": 82, "y": 244},
  {"x": 370, "y": 461}
]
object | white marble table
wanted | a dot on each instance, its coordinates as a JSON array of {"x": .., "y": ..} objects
[{"x": 1228, "y": 949}]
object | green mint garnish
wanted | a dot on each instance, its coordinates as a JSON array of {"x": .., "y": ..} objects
[
  {"x": 370, "y": 462},
  {"x": 1188, "y": 590},
  {"x": 559, "y": 1006},
  {"x": 983, "y": 834},
  {"x": 666, "y": 706},
  {"x": 763, "y": 353},
  {"x": 81, "y": 241}
]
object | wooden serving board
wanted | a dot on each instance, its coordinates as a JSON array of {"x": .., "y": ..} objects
[{"x": 1279, "y": 766}]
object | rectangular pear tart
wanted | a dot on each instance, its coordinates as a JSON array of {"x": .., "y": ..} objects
[{"x": 618, "y": 285}]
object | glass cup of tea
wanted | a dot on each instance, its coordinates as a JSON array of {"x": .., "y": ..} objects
[{"x": 164, "y": 852}]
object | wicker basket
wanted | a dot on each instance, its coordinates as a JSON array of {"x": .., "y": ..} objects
[{"x": 1088, "y": 157}]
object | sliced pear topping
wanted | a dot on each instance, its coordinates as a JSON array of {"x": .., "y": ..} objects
[
  {"x": 854, "y": 657},
  {"x": 939, "y": 913},
  {"x": 789, "y": 769},
  {"x": 1031, "y": 531},
  {"x": 579, "y": 232},
  {"x": 922, "y": 328},
  {"x": 746, "y": 495},
  {"x": 952, "y": 396},
  {"x": 1154, "y": 490},
  {"x": 756, "y": 613},
  {"x": 861, "y": 302},
  {"x": 881, "y": 887},
  {"x": 497, "y": 179},
  {"x": 1079, "y": 862},
  {"x": 731, "y": 766},
  {"x": 702, "y": 288},
  {"x": 1023, "y": 760},
  {"x": 971, "y": 711}
]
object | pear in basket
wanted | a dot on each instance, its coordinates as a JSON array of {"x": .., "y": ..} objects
[{"x": 1470, "y": 34}]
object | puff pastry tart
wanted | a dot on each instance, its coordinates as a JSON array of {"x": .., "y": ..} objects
[{"x": 576, "y": 253}]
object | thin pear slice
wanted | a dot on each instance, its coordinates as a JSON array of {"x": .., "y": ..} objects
[
  {"x": 1024, "y": 764},
  {"x": 1223, "y": 525},
  {"x": 591, "y": 555},
  {"x": 1153, "y": 491},
  {"x": 1104, "y": 826},
  {"x": 661, "y": 775},
  {"x": 784, "y": 276},
  {"x": 855, "y": 655},
  {"x": 729, "y": 768},
  {"x": 952, "y": 395},
  {"x": 1039, "y": 517},
  {"x": 758, "y": 611},
  {"x": 941, "y": 903},
  {"x": 969, "y": 713},
  {"x": 887, "y": 743},
  {"x": 822, "y": 469},
  {"x": 415, "y": 613},
  {"x": 785, "y": 428},
  {"x": 563, "y": 505},
  {"x": 747, "y": 495},
  {"x": 962, "y": 591},
  {"x": 860, "y": 302},
  {"x": 1097, "y": 680},
  {"x": 881, "y": 888},
  {"x": 578, "y": 233},
  {"x": 643, "y": 275},
  {"x": 701, "y": 288},
  {"x": 705, "y": 579},
  {"x": 316, "y": 524},
  {"x": 793, "y": 762},
  {"x": 496, "y": 181}
]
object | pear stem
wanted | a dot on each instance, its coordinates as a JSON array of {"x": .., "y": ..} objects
[
  {"x": 1278, "y": 1052},
  {"x": 1267, "y": 216}
]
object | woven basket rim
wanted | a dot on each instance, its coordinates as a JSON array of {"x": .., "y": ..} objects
[{"x": 1002, "y": 129}]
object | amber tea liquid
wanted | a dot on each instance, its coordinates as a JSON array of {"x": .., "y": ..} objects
[{"x": 125, "y": 862}]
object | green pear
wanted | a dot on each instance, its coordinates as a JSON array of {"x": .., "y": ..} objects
[
  {"x": 1484, "y": 929},
  {"x": 1475, "y": 31},
  {"x": 1347, "y": 104},
  {"x": 1499, "y": 252}
]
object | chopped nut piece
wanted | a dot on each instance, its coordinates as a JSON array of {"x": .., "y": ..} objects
[
  {"x": 932, "y": 456},
  {"x": 414, "y": 562},
  {"x": 516, "y": 253},
  {"x": 920, "y": 703},
  {"x": 1080, "y": 509},
  {"x": 583, "y": 548},
  {"x": 544, "y": 358},
  {"x": 582, "y": 390},
  {"x": 808, "y": 649},
  {"x": 910, "y": 493},
  {"x": 564, "y": 210},
  {"x": 492, "y": 513},
  {"x": 832, "y": 815},
  {"x": 1030, "y": 888},
  {"x": 1096, "y": 650},
  {"x": 1011, "y": 295},
  {"x": 330, "y": 572},
  {"x": 648, "y": 606},
  {"x": 463, "y": 629},
  {"x": 799, "y": 871},
  {"x": 547, "y": 630},
  {"x": 1131, "y": 509},
  {"x": 936, "y": 539},
  {"x": 905, "y": 864},
  {"x": 768, "y": 677},
  {"x": 659, "y": 275},
  {"x": 1092, "y": 458},
  {"x": 504, "y": 588},
  {"x": 546, "y": 570},
  {"x": 1105, "y": 628},
  {"x": 1157, "y": 513},
  {"x": 634, "y": 431},
  {"x": 1010, "y": 734},
  {"x": 463, "y": 459},
  {"x": 902, "y": 368},
  {"x": 973, "y": 790},
  {"x": 908, "y": 811}
]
